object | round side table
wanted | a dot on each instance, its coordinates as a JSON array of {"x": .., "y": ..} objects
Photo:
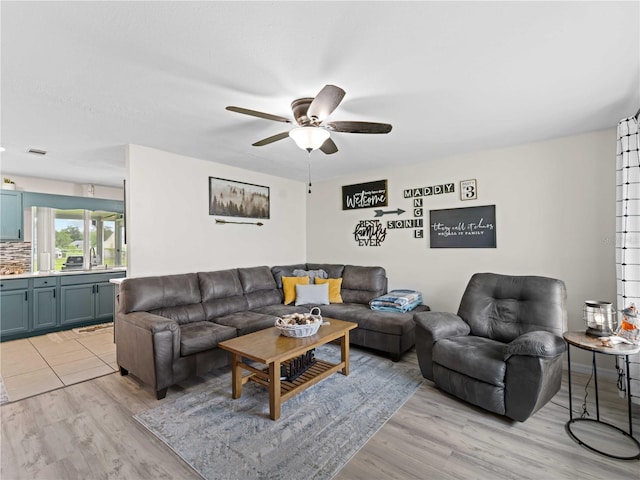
[{"x": 594, "y": 345}]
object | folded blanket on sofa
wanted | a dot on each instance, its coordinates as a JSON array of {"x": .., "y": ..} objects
[{"x": 397, "y": 301}]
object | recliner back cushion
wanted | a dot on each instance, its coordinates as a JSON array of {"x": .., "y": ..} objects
[
  {"x": 259, "y": 287},
  {"x": 361, "y": 284},
  {"x": 222, "y": 293},
  {"x": 503, "y": 307}
]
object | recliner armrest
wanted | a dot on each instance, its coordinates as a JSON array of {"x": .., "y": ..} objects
[
  {"x": 536, "y": 344},
  {"x": 442, "y": 324},
  {"x": 432, "y": 327}
]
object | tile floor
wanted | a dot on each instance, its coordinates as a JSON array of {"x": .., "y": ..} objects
[{"x": 34, "y": 365}]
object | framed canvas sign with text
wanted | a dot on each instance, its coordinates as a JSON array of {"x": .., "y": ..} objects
[
  {"x": 472, "y": 227},
  {"x": 237, "y": 199},
  {"x": 364, "y": 195}
]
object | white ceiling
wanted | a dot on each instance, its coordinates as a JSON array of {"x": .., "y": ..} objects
[{"x": 83, "y": 79}]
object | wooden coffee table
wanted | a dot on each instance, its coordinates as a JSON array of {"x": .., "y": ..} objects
[{"x": 271, "y": 348}]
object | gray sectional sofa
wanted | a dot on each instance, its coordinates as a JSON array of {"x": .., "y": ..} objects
[{"x": 167, "y": 328}]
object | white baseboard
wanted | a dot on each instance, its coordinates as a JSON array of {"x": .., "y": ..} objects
[
  {"x": 605, "y": 373},
  {"x": 608, "y": 374}
]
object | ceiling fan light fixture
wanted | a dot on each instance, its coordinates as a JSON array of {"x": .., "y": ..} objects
[{"x": 309, "y": 138}]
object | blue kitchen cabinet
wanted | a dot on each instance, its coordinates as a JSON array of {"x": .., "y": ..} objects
[
  {"x": 87, "y": 298},
  {"x": 41, "y": 304},
  {"x": 14, "y": 307},
  {"x": 45, "y": 303},
  {"x": 104, "y": 301},
  {"x": 11, "y": 216}
]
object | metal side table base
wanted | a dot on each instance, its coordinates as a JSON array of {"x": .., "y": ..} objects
[
  {"x": 584, "y": 342},
  {"x": 609, "y": 426}
]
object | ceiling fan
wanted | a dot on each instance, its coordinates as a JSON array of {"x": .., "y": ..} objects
[{"x": 310, "y": 114}]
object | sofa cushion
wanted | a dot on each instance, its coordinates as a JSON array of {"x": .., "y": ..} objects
[
  {"x": 362, "y": 284},
  {"x": 183, "y": 314},
  {"x": 392, "y": 323},
  {"x": 219, "y": 284},
  {"x": 476, "y": 357},
  {"x": 264, "y": 297},
  {"x": 280, "y": 271},
  {"x": 200, "y": 336},
  {"x": 144, "y": 294},
  {"x": 333, "y": 270},
  {"x": 309, "y": 273},
  {"x": 221, "y": 293},
  {"x": 256, "y": 278},
  {"x": 247, "y": 322},
  {"x": 279, "y": 309}
]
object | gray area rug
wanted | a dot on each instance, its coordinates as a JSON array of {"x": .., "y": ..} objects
[{"x": 319, "y": 430}]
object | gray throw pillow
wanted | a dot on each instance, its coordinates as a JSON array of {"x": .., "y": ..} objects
[
  {"x": 310, "y": 273},
  {"x": 312, "y": 294}
]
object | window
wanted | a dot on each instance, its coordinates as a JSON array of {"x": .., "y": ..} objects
[{"x": 79, "y": 239}]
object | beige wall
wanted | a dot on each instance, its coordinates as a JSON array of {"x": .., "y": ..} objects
[
  {"x": 555, "y": 215},
  {"x": 555, "y": 207},
  {"x": 56, "y": 187},
  {"x": 170, "y": 229}
]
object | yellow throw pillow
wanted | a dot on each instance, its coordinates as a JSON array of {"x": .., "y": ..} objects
[
  {"x": 335, "y": 284},
  {"x": 289, "y": 287}
]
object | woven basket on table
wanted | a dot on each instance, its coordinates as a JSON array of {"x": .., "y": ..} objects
[{"x": 299, "y": 331}]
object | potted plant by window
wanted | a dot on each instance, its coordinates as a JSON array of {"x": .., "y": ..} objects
[{"x": 8, "y": 184}]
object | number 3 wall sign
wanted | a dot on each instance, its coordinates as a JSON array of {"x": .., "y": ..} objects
[{"x": 468, "y": 190}]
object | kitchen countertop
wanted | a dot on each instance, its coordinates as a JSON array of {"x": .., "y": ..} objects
[{"x": 63, "y": 273}]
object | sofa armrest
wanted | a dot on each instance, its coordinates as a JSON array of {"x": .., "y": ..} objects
[
  {"x": 432, "y": 327},
  {"x": 147, "y": 345},
  {"x": 442, "y": 325},
  {"x": 536, "y": 344},
  {"x": 148, "y": 321}
]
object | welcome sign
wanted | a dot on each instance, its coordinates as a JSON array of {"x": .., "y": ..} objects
[{"x": 364, "y": 195}]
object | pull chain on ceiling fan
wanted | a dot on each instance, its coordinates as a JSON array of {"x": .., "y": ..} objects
[{"x": 310, "y": 113}]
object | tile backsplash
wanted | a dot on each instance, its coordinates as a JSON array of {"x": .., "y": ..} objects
[{"x": 15, "y": 257}]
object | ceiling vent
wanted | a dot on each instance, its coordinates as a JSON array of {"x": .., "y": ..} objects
[{"x": 36, "y": 151}]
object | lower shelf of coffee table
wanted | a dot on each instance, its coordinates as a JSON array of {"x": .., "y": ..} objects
[{"x": 318, "y": 371}]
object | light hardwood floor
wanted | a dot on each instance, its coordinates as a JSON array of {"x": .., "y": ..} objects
[{"x": 86, "y": 431}]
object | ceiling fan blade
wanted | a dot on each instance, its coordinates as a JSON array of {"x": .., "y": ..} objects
[
  {"x": 329, "y": 147},
  {"x": 358, "y": 127},
  {"x": 325, "y": 102},
  {"x": 271, "y": 139},
  {"x": 255, "y": 113}
]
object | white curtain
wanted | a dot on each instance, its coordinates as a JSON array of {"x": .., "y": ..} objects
[{"x": 628, "y": 228}]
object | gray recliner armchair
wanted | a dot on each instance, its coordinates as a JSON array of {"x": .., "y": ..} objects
[{"x": 503, "y": 350}]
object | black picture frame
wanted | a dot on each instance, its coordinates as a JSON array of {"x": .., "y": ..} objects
[
  {"x": 470, "y": 227},
  {"x": 231, "y": 198}
]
